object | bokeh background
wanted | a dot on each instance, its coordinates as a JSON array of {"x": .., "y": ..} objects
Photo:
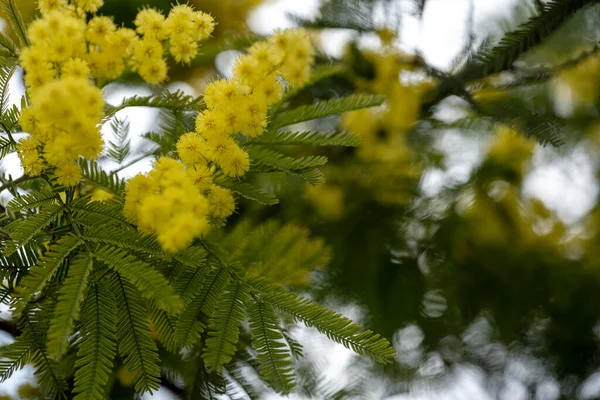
[{"x": 471, "y": 247}]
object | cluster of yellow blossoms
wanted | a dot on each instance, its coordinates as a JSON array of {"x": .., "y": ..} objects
[
  {"x": 66, "y": 50},
  {"x": 175, "y": 198}
]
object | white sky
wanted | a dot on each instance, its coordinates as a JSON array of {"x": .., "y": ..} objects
[{"x": 565, "y": 183}]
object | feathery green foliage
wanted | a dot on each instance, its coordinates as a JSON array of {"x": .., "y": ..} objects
[
  {"x": 324, "y": 109},
  {"x": 97, "y": 344},
  {"x": 177, "y": 100},
  {"x": 11, "y": 11},
  {"x": 32, "y": 201},
  {"x": 310, "y": 138},
  {"x": 332, "y": 324},
  {"x": 45, "y": 269},
  {"x": 223, "y": 328},
  {"x": 149, "y": 282},
  {"x": 246, "y": 190},
  {"x": 68, "y": 305},
  {"x": 515, "y": 43},
  {"x": 139, "y": 352},
  {"x": 275, "y": 362},
  {"x": 266, "y": 160},
  {"x": 120, "y": 149},
  {"x": 96, "y": 176},
  {"x": 23, "y": 230},
  {"x": 189, "y": 326}
]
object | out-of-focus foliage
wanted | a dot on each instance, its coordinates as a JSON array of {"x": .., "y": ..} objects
[{"x": 421, "y": 236}]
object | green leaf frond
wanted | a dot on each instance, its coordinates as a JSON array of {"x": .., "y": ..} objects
[
  {"x": 7, "y": 146},
  {"x": 193, "y": 256},
  {"x": 150, "y": 283},
  {"x": 23, "y": 230},
  {"x": 94, "y": 175},
  {"x": 163, "y": 325},
  {"x": 276, "y": 365},
  {"x": 324, "y": 109},
  {"x": 502, "y": 56},
  {"x": 280, "y": 253},
  {"x": 309, "y": 138},
  {"x": 138, "y": 350},
  {"x": 120, "y": 148},
  {"x": 45, "y": 269},
  {"x": 97, "y": 344},
  {"x": 246, "y": 190},
  {"x": 224, "y": 326},
  {"x": 124, "y": 239},
  {"x": 336, "y": 327},
  {"x": 97, "y": 213},
  {"x": 189, "y": 282},
  {"x": 177, "y": 100},
  {"x": 16, "y": 265},
  {"x": 9, "y": 120},
  {"x": 32, "y": 201},
  {"x": 34, "y": 324},
  {"x": 11, "y": 11},
  {"x": 8, "y": 50},
  {"x": 188, "y": 327},
  {"x": 68, "y": 305},
  {"x": 6, "y": 73},
  {"x": 16, "y": 356},
  {"x": 266, "y": 160},
  {"x": 318, "y": 74},
  {"x": 342, "y": 14}
]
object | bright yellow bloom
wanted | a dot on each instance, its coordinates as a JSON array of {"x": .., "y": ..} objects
[
  {"x": 75, "y": 68},
  {"x": 235, "y": 163},
  {"x": 201, "y": 176},
  {"x": 183, "y": 50},
  {"x": 222, "y": 203},
  {"x": 89, "y": 5},
  {"x": 68, "y": 174},
  {"x": 151, "y": 24},
  {"x": 191, "y": 149},
  {"x": 204, "y": 25},
  {"x": 180, "y": 22},
  {"x": 99, "y": 28},
  {"x": 45, "y": 6},
  {"x": 153, "y": 72}
]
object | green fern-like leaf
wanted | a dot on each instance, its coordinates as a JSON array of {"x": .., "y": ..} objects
[
  {"x": 139, "y": 352},
  {"x": 15, "y": 266},
  {"x": 6, "y": 73},
  {"x": 120, "y": 148},
  {"x": 6, "y": 147},
  {"x": 125, "y": 239},
  {"x": 177, "y": 100},
  {"x": 32, "y": 201},
  {"x": 150, "y": 283},
  {"x": 324, "y": 109},
  {"x": 266, "y": 160},
  {"x": 188, "y": 328},
  {"x": 246, "y": 190},
  {"x": 94, "y": 175},
  {"x": 11, "y": 11},
  {"x": 97, "y": 344},
  {"x": 332, "y": 324},
  {"x": 276, "y": 365},
  {"x": 189, "y": 282},
  {"x": 224, "y": 326},
  {"x": 23, "y": 230},
  {"x": 16, "y": 356},
  {"x": 310, "y": 138},
  {"x": 515, "y": 43},
  {"x": 45, "y": 269},
  {"x": 68, "y": 305},
  {"x": 164, "y": 327},
  {"x": 98, "y": 212}
]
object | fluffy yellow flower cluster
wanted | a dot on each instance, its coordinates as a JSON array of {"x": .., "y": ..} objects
[
  {"x": 63, "y": 122},
  {"x": 66, "y": 50},
  {"x": 241, "y": 104},
  {"x": 161, "y": 202}
]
